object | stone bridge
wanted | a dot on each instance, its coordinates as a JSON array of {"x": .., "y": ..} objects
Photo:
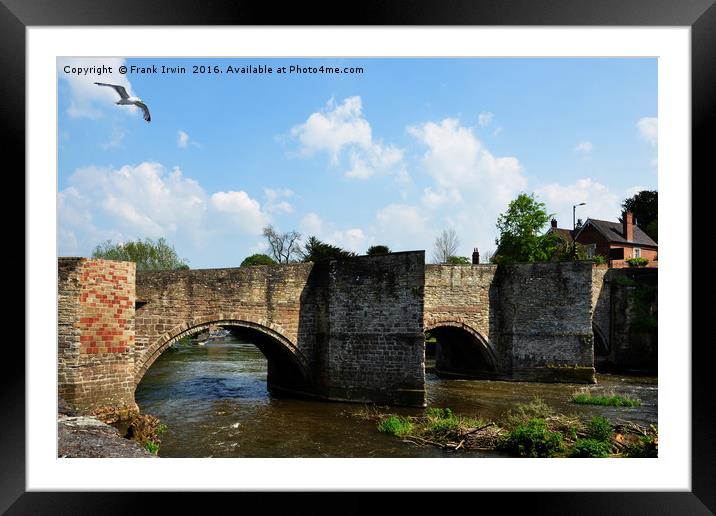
[{"x": 350, "y": 330}]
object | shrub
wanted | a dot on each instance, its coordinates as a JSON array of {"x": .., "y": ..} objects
[
  {"x": 458, "y": 260},
  {"x": 533, "y": 439},
  {"x": 591, "y": 448},
  {"x": 599, "y": 259},
  {"x": 637, "y": 262},
  {"x": 523, "y": 412},
  {"x": 258, "y": 259},
  {"x": 395, "y": 425},
  {"x": 599, "y": 429}
]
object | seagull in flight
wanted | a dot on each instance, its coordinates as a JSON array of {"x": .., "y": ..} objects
[{"x": 127, "y": 100}]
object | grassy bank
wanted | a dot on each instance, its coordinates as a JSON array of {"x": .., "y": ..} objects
[{"x": 529, "y": 430}]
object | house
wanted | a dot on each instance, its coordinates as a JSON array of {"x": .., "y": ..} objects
[{"x": 616, "y": 241}]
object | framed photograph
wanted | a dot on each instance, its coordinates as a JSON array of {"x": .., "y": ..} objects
[{"x": 312, "y": 219}]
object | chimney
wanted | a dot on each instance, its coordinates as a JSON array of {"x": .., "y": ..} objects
[
  {"x": 628, "y": 224},
  {"x": 554, "y": 223},
  {"x": 475, "y": 257}
]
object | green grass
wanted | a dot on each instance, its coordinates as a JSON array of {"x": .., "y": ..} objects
[
  {"x": 615, "y": 400},
  {"x": 396, "y": 425},
  {"x": 152, "y": 447},
  {"x": 533, "y": 439}
]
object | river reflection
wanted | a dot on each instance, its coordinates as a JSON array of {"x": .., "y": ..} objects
[{"x": 214, "y": 401}]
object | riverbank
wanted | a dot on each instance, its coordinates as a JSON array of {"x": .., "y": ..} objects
[{"x": 87, "y": 437}]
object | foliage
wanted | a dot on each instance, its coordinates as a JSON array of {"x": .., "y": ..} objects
[
  {"x": 521, "y": 238},
  {"x": 599, "y": 259},
  {"x": 644, "y": 205},
  {"x": 147, "y": 254},
  {"x": 258, "y": 259},
  {"x": 316, "y": 251},
  {"x": 458, "y": 260},
  {"x": 445, "y": 246},
  {"x": 591, "y": 448},
  {"x": 376, "y": 250},
  {"x": 533, "y": 439},
  {"x": 396, "y": 425},
  {"x": 599, "y": 428},
  {"x": 283, "y": 246},
  {"x": 523, "y": 412},
  {"x": 616, "y": 400},
  {"x": 652, "y": 229},
  {"x": 647, "y": 446},
  {"x": 637, "y": 262}
]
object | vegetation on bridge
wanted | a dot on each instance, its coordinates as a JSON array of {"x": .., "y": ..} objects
[{"x": 147, "y": 254}]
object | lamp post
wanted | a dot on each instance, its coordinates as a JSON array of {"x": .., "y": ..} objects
[
  {"x": 574, "y": 214},
  {"x": 574, "y": 226}
]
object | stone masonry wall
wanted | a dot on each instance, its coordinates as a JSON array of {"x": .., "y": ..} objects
[
  {"x": 464, "y": 294},
  {"x": 601, "y": 301},
  {"x": 376, "y": 349},
  {"x": 545, "y": 320},
  {"x": 96, "y": 336}
]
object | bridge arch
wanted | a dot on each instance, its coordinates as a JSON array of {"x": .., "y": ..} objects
[
  {"x": 461, "y": 350},
  {"x": 288, "y": 368}
]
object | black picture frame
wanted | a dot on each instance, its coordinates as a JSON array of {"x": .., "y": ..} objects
[{"x": 700, "y": 15}]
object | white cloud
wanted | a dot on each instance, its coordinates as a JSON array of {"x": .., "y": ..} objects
[
  {"x": 86, "y": 98},
  {"x": 245, "y": 211},
  {"x": 341, "y": 127},
  {"x": 648, "y": 128},
  {"x": 485, "y": 119},
  {"x": 471, "y": 188},
  {"x": 334, "y": 128},
  {"x": 182, "y": 139},
  {"x": 311, "y": 224},
  {"x": 146, "y": 201},
  {"x": 458, "y": 161},
  {"x": 432, "y": 199},
  {"x": 584, "y": 147},
  {"x": 274, "y": 202},
  {"x": 601, "y": 203}
]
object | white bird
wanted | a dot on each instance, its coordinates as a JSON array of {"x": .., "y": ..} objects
[{"x": 127, "y": 100}]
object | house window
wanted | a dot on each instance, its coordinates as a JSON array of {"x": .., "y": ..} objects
[
  {"x": 616, "y": 253},
  {"x": 591, "y": 250},
  {"x": 637, "y": 252}
]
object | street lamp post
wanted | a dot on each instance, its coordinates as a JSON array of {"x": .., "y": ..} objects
[
  {"x": 574, "y": 214},
  {"x": 574, "y": 226}
]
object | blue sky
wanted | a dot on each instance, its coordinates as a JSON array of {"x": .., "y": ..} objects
[{"x": 391, "y": 156}]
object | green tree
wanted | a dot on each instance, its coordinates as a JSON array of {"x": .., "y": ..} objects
[
  {"x": 645, "y": 207},
  {"x": 316, "y": 251},
  {"x": 521, "y": 233},
  {"x": 376, "y": 250},
  {"x": 258, "y": 259},
  {"x": 147, "y": 254},
  {"x": 458, "y": 260}
]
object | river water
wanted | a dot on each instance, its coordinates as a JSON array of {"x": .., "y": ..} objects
[{"x": 214, "y": 401}]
